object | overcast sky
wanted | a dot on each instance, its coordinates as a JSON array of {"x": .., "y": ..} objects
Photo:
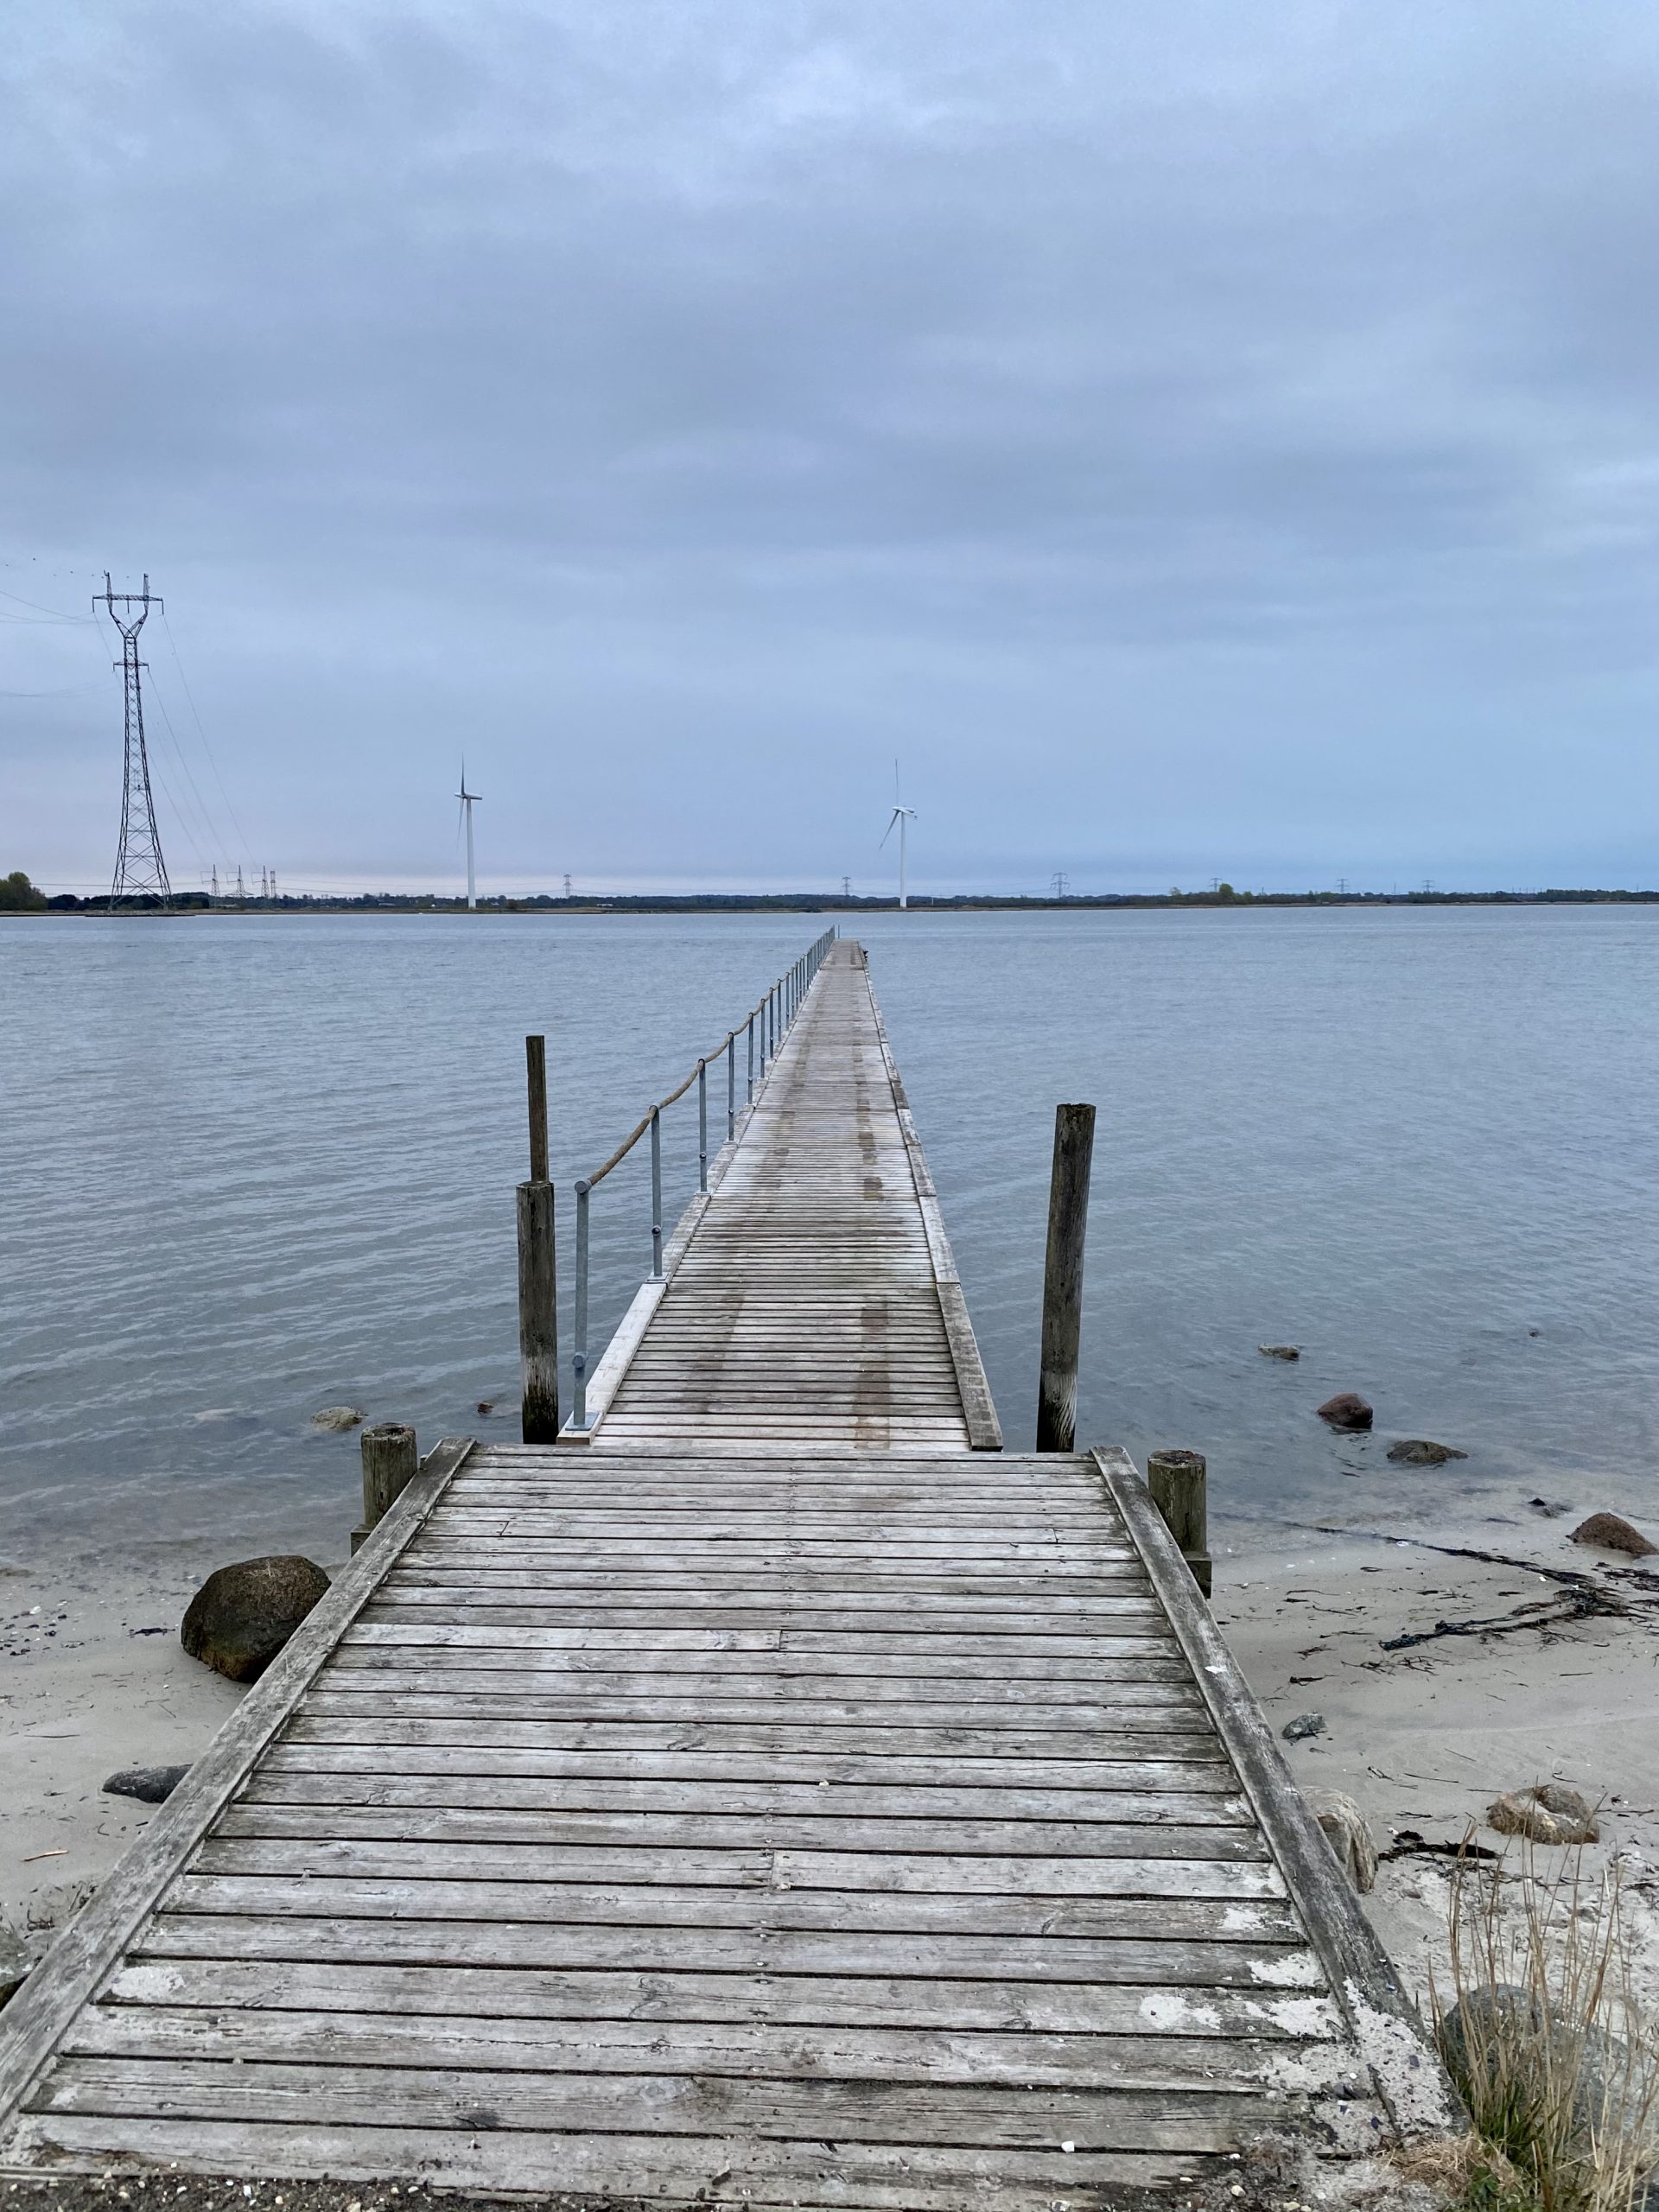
[{"x": 1206, "y": 439}]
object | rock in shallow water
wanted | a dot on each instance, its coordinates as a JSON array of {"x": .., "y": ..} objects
[
  {"x": 151, "y": 1785},
  {"x": 1280, "y": 1351},
  {"x": 243, "y": 1614},
  {"x": 337, "y": 1417},
  {"x": 1613, "y": 1532},
  {"x": 1346, "y": 1410},
  {"x": 1419, "y": 1452},
  {"x": 1551, "y": 1813}
]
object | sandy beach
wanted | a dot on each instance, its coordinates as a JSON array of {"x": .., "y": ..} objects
[{"x": 92, "y": 1678}]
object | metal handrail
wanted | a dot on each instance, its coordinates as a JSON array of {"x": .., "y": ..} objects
[{"x": 775, "y": 1012}]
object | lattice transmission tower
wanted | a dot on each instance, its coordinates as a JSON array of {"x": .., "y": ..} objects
[{"x": 140, "y": 871}]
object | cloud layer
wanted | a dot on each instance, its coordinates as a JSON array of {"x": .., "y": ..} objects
[{"x": 1196, "y": 441}]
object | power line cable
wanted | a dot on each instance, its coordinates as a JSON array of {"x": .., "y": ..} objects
[{"x": 201, "y": 730}]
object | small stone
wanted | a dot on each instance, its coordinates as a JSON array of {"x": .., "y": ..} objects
[
  {"x": 1346, "y": 1410},
  {"x": 1419, "y": 1452},
  {"x": 1305, "y": 1725},
  {"x": 336, "y": 1418},
  {"x": 243, "y": 1614},
  {"x": 1549, "y": 1509},
  {"x": 487, "y": 1405},
  {"x": 1550, "y": 1813},
  {"x": 1346, "y": 1833},
  {"x": 1280, "y": 1351},
  {"x": 1613, "y": 1532},
  {"x": 151, "y": 1785}
]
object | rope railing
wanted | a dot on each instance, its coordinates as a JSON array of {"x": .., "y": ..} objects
[{"x": 766, "y": 1026}]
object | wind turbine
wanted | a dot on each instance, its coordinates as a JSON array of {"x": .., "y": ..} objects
[
  {"x": 468, "y": 801},
  {"x": 903, "y": 815}
]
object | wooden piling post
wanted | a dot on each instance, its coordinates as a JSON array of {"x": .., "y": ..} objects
[
  {"x": 539, "y": 1325},
  {"x": 1068, "y": 1219},
  {"x": 539, "y": 1309},
  {"x": 1179, "y": 1482},
  {"x": 391, "y": 1457},
  {"x": 536, "y": 1070}
]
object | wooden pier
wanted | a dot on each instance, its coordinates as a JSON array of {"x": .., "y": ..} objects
[{"x": 783, "y": 1796}]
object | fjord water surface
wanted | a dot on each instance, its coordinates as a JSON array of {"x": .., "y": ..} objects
[{"x": 254, "y": 1165}]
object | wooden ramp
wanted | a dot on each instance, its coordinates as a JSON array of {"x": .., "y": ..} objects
[{"x": 699, "y": 1820}]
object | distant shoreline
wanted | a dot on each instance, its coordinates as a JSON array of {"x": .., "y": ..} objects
[{"x": 197, "y": 902}]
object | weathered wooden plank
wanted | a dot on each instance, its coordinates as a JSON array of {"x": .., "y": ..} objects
[
  {"x": 554, "y": 1696},
  {"x": 1122, "y": 1861},
  {"x": 498, "y": 1995},
  {"x": 676, "y": 2106},
  {"x": 1160, "y": 1724},
  {"x": 884, "y": 2178},
  {"x": 1143, "y": 2060},
  {"x": 558, "y": 1748},
  {"x": 585, "y": 1782},
  {"x": 678, "y": 1942},
  {"x": 691, "y": 1820}
]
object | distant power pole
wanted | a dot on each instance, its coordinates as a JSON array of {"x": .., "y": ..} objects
[
  {"x": 1059, "y": 885},
  {"x": 212, "y": 888},
  {"x": 567, "y": 888},
  {"x": 140, "y": 871},
  {"x": 846, "y": 886},
  {"x": 1341, "y": 886},
  {"x": 241, "y": 893}
]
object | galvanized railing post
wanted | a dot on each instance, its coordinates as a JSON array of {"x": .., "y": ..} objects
[
  {"x": 702, "y": 1125},
  {"x": 731, "y": 1084},
  {"x": 579, "y": 1354},
  {"x": 655, "y": 1194},
  {"x": 751, "y": 1097}
]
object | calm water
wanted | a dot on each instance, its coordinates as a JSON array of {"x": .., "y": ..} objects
[{"x": 254, "y": 1166}]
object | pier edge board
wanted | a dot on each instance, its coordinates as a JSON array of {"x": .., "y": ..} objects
[{"x": 1411, "y": 2079}]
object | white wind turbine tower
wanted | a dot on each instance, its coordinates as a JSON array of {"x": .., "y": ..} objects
[
  {"x": 468, "y": 801},
  {"x": 903, "y": 815}
]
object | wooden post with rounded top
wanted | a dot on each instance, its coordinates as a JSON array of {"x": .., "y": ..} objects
[
  {"x": 1068, "y": 1219},
  {"x": 538, "y": 1310},
  {"x": 1179, "y": 1482},
  {"x": 391, "y": 1459}
]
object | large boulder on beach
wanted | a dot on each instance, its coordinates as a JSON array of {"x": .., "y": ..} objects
[
  {"x": 1549, "y": 1812},
  {"x": 1613, "y": 1532},
  {"x": 1347, "y": 1834},
  {"x": 1420, "y": 1451},
  {"x": 1499, "y": 2034},
  {"x": 1346, "y": 1410},
  {"x": 243, "y": 1614}
]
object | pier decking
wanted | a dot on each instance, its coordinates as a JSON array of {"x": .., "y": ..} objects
[{"x": 775, "y": 1799}]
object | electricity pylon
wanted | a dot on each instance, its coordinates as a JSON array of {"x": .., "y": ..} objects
[{"x": 140, "y": 871}]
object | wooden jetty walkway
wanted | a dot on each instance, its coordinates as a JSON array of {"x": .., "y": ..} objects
[{"x": 783, "y": 1797}]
